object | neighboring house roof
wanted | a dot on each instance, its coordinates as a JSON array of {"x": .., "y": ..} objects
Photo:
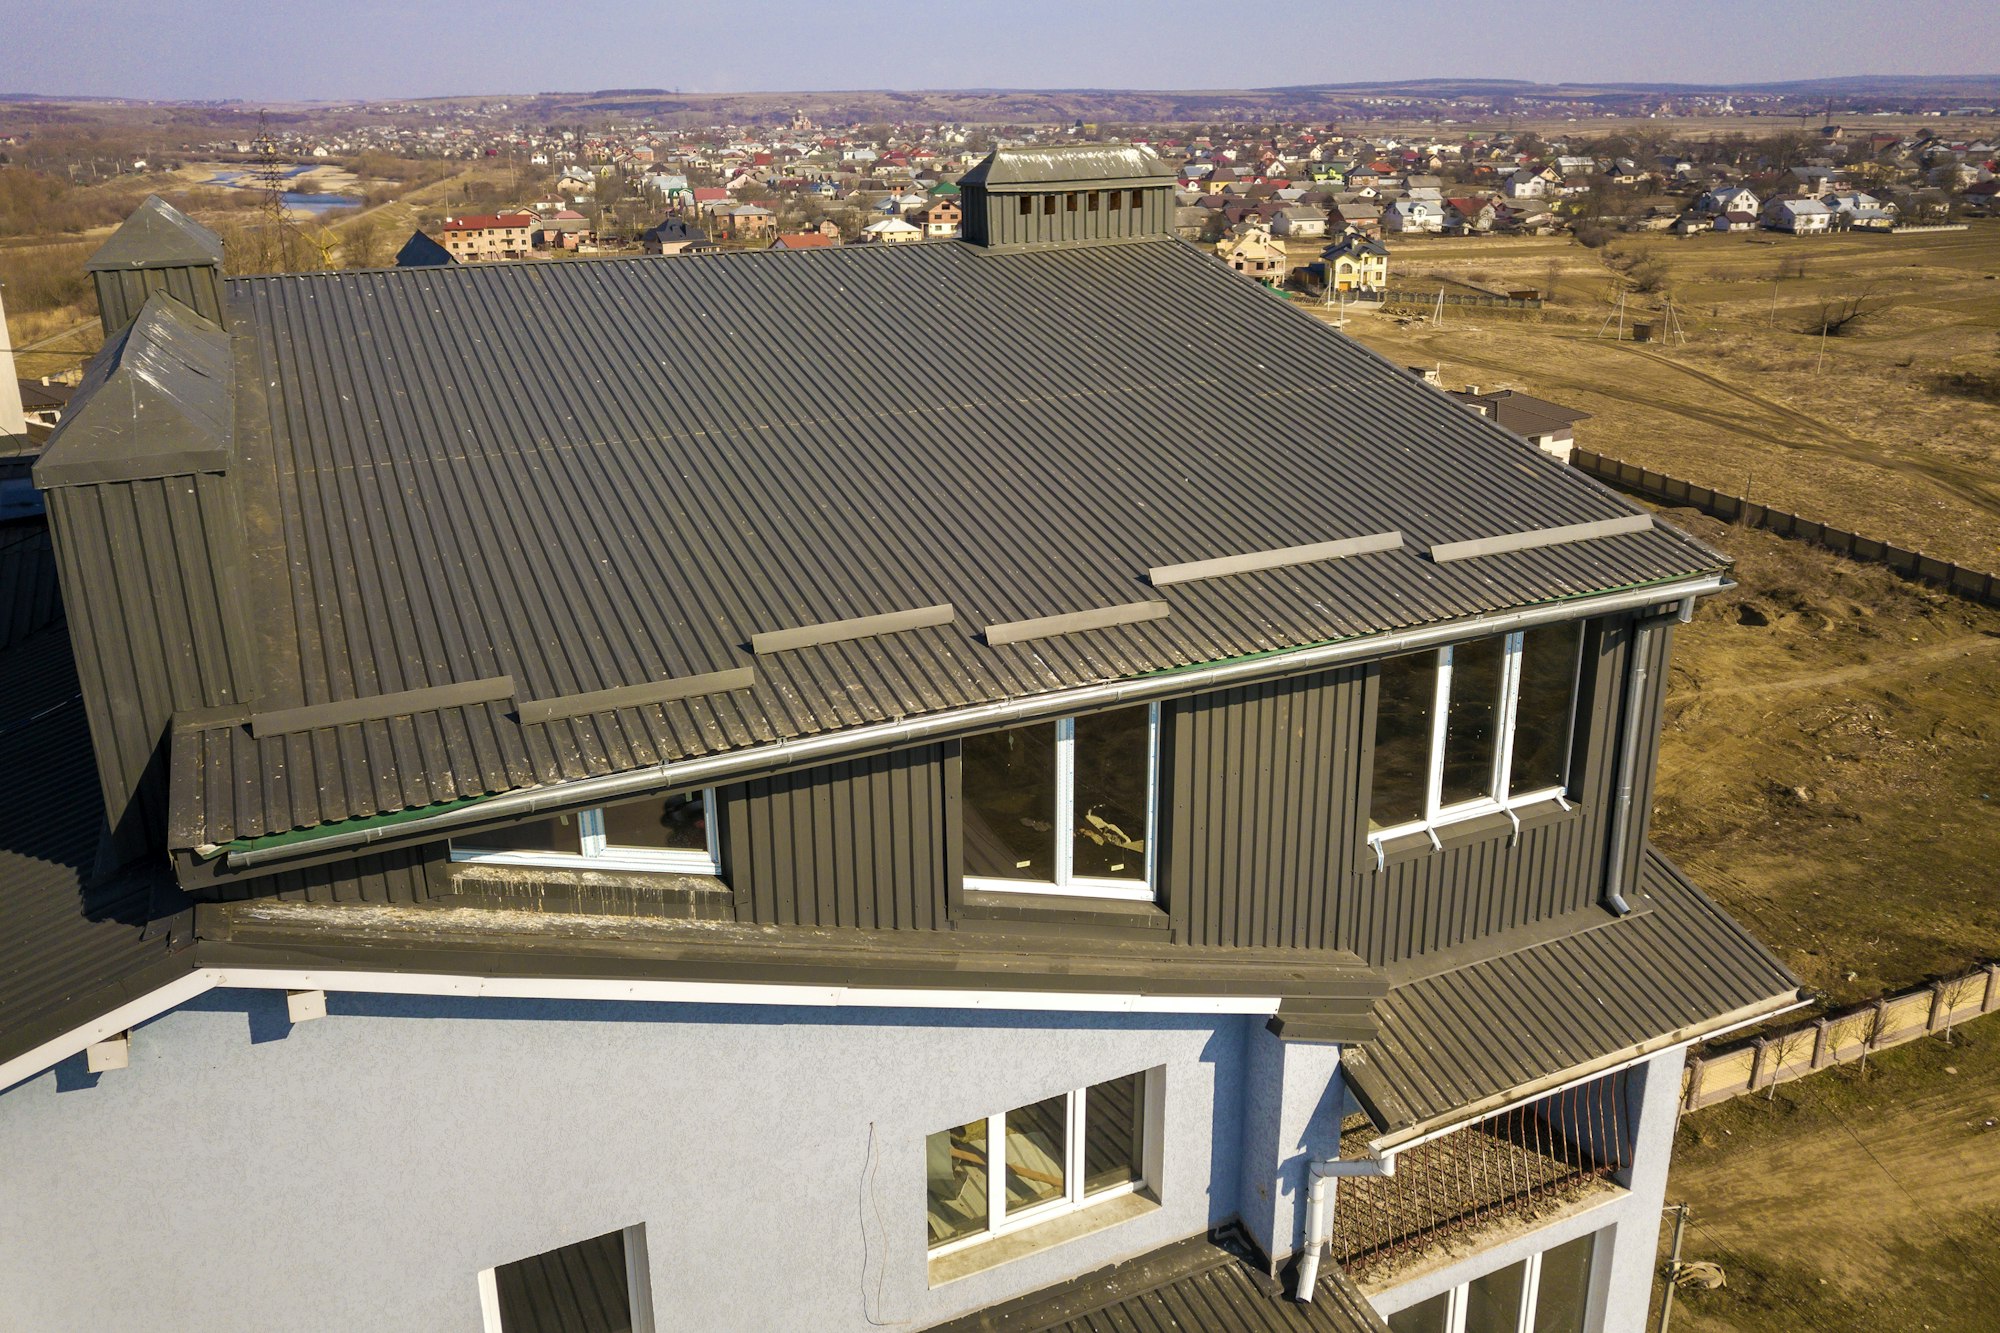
[
  {"x": 890, "y": 226},
  {"x": 39, "y": 397},
  {"x": 420, "y": 251},
  {"x": 1211, "y": 1284},
  {"x": 673, "y": 230},
  {"x": 1463, "y": 1031},
  {"x": 527, "y": 536},
  {"x": 1522, "y": 413},
  {"x": 489, "y": 221},
  {"x": 803, "y": 240}
]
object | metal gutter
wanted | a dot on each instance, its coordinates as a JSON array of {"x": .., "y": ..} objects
[{"x": 712, "y": 769}]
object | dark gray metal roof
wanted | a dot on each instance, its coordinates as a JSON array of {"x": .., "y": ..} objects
[
  {"x": 1008, "y": 169},
  {"x": 158, "y": 235},
  {"x": 157, "y": 401},
  {"x": 1462, "y": 1035},
  {"x": 744, "y": 443},
  {"x": 1200, "y": 1285},
  {"x": 73, "y": 948}
]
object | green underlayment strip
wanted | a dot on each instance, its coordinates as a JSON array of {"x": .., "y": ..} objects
[{"x": 305, "y": 835}]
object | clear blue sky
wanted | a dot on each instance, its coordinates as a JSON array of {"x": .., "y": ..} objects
[{"x": 335, "y": 49}]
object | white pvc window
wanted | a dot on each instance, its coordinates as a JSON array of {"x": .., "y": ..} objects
[
  {"x": 1064, "y": 807},
  {"x": 999, "y": 1173},
  {"x": 675, "y": 834},
  {"x": 1473, "y": 729},
  {"x": 1549, "y": 1292}
]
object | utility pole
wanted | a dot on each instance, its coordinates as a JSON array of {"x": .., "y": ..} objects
[{"x": 1680, "y": 1211}]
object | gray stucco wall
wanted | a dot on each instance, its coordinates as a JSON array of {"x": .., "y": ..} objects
[{"x": 359, "y": 1171}]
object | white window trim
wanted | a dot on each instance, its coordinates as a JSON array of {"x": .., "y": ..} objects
[
  {"x": 1066, "y": 883},
  {"x": 597, "y": 854},
  {"x": 1439, "y": 815},
  {"x": 999, "y": 1222}
]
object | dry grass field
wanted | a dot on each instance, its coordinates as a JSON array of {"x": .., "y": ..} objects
[
  {"x": 1863, "y": 430},
  {"x": 1851, "y": 1203}
]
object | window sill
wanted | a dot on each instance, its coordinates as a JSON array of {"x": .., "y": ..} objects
[
  {"x": 986, "y": 909},
  {"x": 1494, "y": 826},
  {"x": 1085, "y": 1221}
]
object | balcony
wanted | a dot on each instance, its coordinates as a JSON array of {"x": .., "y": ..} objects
[{"x": 1516, "y": 1165}]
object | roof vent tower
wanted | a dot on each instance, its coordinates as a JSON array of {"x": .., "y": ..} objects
[
  {"x": 158, "y": 249},
  {"x": 1075, "y": 194}
]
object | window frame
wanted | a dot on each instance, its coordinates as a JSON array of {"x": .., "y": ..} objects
[
  {"x": 1066, "y": 883},
  {"x": 1457, "y": 1302},
  {"x": 1498, "y": 799},
  {"x": 598, "y": 854},
  {"x": 999, "y": 1222}
]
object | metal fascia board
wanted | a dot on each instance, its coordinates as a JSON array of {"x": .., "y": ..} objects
[
  {"x": 1254, "y": 561},
  {"x": 314, "y": 717},
  {"x": 826, "y": 746},
  {"x": 1509, "y": 542},
  {"x": 860, "y": 627},
  {"x": 632, "y": 696},
  {"x": 1075, "y": 622}
]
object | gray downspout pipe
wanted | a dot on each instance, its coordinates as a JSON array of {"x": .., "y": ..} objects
[
  {"x": 1319, "y": 1209},
  {"x": 1628, "y": 757}
]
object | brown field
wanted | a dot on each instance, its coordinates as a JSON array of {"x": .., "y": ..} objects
[
  {"x": 1862, "y": 432},
  {"x": 1851, "y": 1203}
]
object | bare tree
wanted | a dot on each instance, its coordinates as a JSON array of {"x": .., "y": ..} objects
[
  {"x": 1845, "y": 312},
  {"x": 1954, "y": 992},
  {"x": 1552, "y": 279},
  {"x": 1786, "y": 1046},
  {"x": 1874, "y": 1024}
]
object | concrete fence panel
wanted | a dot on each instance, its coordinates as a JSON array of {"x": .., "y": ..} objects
[{"x": 1972, "y": 584}]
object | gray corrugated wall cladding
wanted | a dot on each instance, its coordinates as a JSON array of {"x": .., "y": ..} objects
[
  {"x": 143, "y": 566},
  {"x": 122, "y": 292},
  {"x": 1262, "y": 785},
  {"x": 857, "y": 844},
  {"x": 1446, "y": 898},
  {"x": 394, "y": 878}
]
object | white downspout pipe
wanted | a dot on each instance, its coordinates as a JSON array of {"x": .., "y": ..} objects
[{"x": 1319, "y": 1208}]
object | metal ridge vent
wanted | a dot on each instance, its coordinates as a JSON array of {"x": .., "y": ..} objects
[
  {"x": 1075, "y": 622},
  {"x": 860, "y": 627},
  {"x": 1529, "y": 541},
  {"x": 314, "y": 717},
  {"x": 1253, "y": 561},
  {"x": 632, "y": 696}
]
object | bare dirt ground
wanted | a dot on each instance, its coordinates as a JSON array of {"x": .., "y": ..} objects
[
  {"x": 1830, "y": 769},
  {"x": 1851, "y": 1203},
  {"x": 1859, "y": 432}
]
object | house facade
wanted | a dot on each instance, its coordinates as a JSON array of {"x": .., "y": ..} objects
[
  {"x": 488, "y": 236},
  {"x": 716, "y": 837}
]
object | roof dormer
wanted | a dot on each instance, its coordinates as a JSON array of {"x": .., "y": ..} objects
[{"x": 1076, "y": 194}]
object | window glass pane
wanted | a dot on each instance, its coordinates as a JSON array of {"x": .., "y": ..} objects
[
  {"x": 1113, "y": 1132},
  {"x": 676, "y": 824},
  {"x": 1542, "y": 714},
  {"x": 1563, "y": 1293},
  {"x": 1472, "y": 719},
  {"x": 1111, "y": 768},
  {"x": 1009, "y": 793},
  {"x": 580, "y": 1286},
  {"x": 955, "y": 1162},
  {"x": 1426, "y": 1317},
  {"x": 1036, "y": 1136},
  {"x": 1403, "y": 740},
  {"x": 542, "y": 835},
  {"x": 1493, "y": 1302}
]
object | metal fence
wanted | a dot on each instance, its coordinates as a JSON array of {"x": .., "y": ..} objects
[
  {"x": 1839, "y": 1038},
  {"x": 1509, "y": 1164},
  {"x": 1972, "y": 584}
]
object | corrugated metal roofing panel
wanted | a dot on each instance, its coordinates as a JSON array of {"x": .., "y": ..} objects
[
  {"x": 726, "y": 443},
  {"x": 1462, "y": 1037},
  {"x": 69, "y": 947},
  {"x": 1201, "y": 1283}
]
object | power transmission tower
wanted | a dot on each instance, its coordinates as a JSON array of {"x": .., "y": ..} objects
[{"x": 269, "y": 176}]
